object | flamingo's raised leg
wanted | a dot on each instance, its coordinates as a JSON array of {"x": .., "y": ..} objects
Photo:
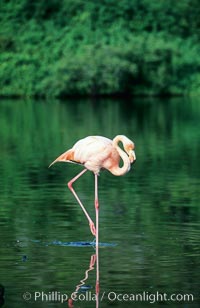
[{"x": 92, "y": 227}]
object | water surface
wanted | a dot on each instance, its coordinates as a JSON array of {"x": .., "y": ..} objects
[{"x": 149, "y": 218}]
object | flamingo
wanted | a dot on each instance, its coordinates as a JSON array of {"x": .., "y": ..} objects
[{"x": 96, "y": 153}]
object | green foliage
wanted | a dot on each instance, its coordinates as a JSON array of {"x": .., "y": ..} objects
[{"x": 58, "y": 48}]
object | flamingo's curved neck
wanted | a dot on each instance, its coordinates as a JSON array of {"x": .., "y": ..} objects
[{"x": 126, "y": 161}]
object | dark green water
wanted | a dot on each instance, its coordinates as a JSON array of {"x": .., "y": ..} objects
[{"x": 152, "y": 214}]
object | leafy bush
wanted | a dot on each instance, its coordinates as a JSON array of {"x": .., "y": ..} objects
[{"x": 58, "y": 48}]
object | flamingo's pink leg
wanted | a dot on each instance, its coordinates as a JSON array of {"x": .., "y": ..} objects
[
  {"x": 96, "y": 202},
  {"x": 97, "y": 234},
  {"x": 92, "y": 227}
]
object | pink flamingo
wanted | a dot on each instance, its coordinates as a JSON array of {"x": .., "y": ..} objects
[{"x": 95, "y": 153}]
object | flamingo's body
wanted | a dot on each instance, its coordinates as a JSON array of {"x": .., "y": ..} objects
[{"x": 95, "y": 153}]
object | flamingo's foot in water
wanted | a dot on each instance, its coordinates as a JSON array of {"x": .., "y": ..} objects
[{"x": 94, "y": 241}]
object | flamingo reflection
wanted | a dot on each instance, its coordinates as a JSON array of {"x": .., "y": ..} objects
[{"x": 93, "y": 260}]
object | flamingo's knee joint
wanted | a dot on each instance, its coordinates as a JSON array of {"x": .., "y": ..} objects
[
  {"x": 96, "y": 204},
  {"x": 69, "y": 184}
]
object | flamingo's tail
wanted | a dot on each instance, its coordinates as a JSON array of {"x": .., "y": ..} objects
[{"x": 67, "y": 156}]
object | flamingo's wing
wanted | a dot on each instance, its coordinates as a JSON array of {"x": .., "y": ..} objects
[{"x": 67, "y": 157}]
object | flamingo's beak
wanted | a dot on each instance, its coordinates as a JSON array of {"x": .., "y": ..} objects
[{"x": 132, "y": 156}]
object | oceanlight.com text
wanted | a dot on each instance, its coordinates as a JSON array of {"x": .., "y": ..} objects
[
  {"x": 55, "y": 296},
  {"x": 148, "y": 297}
]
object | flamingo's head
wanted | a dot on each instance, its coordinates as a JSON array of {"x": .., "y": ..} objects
[{"x": 129, "y": 148}]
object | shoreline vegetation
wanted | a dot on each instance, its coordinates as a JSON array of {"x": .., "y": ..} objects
[{"x": 111, "y": 48}]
